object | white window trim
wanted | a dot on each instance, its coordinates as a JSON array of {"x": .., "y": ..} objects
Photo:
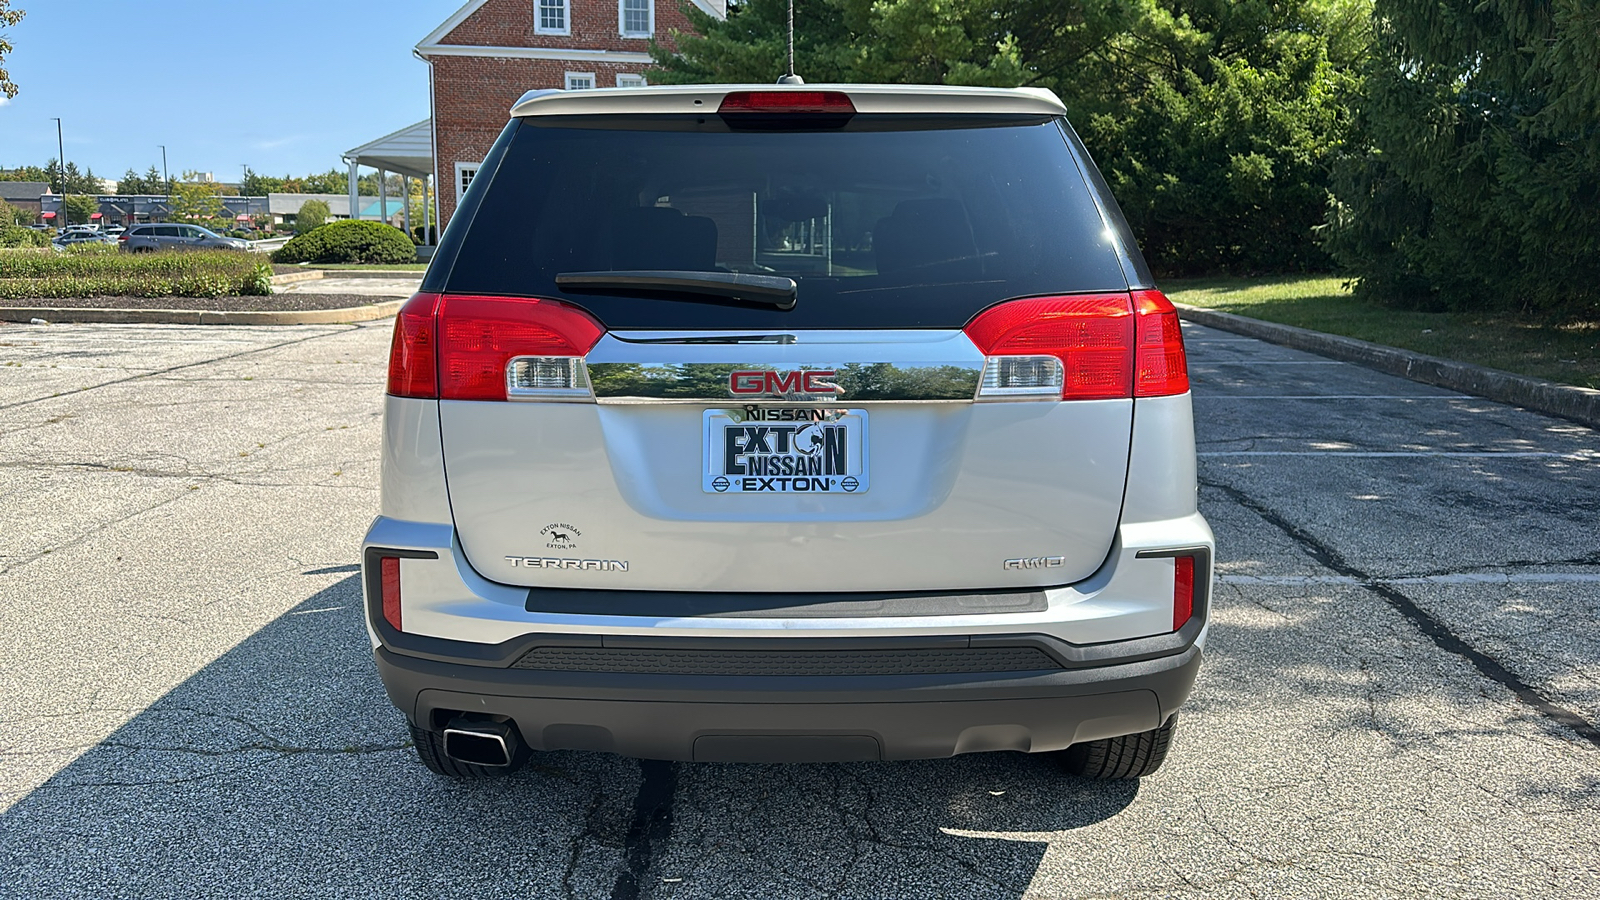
[
  {"x": 567, "y": 81},
  {"x": 634, "y": 79},
  {"x": 566, "y": 16},
  {"x": 622, "y": 21},
  {"x": 461, "y": 167}
]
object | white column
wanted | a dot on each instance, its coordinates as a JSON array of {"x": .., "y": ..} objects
[
  {"x": 427, "y": 210},
  {"x": 383, "y": 196},
  {"x": 405, "y": 202},
  {"x": 355, "y": 210}
]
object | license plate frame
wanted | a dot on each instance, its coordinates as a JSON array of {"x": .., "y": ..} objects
[{"x": 825, "y": 449}]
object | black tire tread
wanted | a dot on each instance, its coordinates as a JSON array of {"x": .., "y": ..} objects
[
  {"x": 1129, "y": 756},
  {"x": 430, "y": 749}
]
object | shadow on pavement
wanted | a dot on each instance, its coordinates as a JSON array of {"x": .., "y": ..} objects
[{"x": 281, "y": 769}]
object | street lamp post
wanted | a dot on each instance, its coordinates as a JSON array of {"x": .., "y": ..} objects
[
  {"x": 166, "y": 179},
  {"x": 61, "y": 174}
]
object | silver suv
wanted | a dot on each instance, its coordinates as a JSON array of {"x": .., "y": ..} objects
[
  {"x": 788, "y": 424},
  {"x": 147, "y": 238}
]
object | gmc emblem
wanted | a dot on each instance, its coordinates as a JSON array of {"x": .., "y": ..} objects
[{"x": 811, "y": 381}]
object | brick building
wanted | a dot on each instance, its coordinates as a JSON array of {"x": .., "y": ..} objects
[{"x": 490, "y": 52}]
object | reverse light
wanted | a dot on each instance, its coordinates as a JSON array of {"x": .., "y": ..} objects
[
  {"x": 1182, "y": 591},
  {"x": 389, "y": 581}
]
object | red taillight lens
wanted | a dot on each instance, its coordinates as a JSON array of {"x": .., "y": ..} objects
[
  {"x": 413, "y": 370},
  {"x": 122, "y": 238},
  {"x": 478, "y": 336},
  {"x": 788, "y": 102},
  {"x": 1161, "y": 368},
  {"x": 1091, "y": 334},
  {"x": 389, "y": 578},
  {"x": 1182, "y": 592}
]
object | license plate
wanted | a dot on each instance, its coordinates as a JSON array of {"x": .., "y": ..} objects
[{"x": 758, "y": 450}]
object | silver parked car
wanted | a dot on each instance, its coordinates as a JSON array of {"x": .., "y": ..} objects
[
  {"x": 166, "y": 236},
  {"x": 788, "y": 424}
]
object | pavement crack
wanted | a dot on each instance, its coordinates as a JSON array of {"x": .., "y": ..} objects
[
  {"x": 650, "y": 829},
  {"x": 1430, "y": 626},
  {"x": 159, "y": 372}
]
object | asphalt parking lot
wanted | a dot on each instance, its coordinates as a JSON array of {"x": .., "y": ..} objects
[{"x": 1401, "y": 693}]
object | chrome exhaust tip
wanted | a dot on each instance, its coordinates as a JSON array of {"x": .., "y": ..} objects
[{"x": 494, "y": 744}]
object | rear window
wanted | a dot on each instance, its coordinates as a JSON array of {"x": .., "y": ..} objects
[{"x": 881, "y": 225}]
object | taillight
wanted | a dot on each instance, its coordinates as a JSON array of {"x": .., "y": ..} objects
[
  {"x": 1161, "y": 368},
  {"x": 1182, "y": 591},
  {"x": 1075, "y": 347},
  {"x": 413, "y": 368},
  {"x": 1081, "y": 347},
  {"x": 122, "y": 238},
  {"x": 491, "y": 348},
  {"x": 389, "y": 586}
]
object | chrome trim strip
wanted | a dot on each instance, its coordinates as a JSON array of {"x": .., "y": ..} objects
[{"x": 865, "y": 366}]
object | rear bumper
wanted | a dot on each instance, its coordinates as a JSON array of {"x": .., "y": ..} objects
[{"x": 807, "y": 718}]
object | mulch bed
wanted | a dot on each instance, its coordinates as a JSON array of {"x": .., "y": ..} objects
[{"x": 274, "y": 303}]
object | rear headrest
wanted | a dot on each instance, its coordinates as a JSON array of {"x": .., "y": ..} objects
[
  {"x": 659, "y": 237},
  {"x": 922, "y": 233}
]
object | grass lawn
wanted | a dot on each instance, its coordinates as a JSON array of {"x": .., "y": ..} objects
[{"x": 1568, "y": 353}]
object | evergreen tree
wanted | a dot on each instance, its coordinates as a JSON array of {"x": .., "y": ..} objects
[
  {"x": 1215, "y": 121},
  {"x": 1481, "y": 183}
]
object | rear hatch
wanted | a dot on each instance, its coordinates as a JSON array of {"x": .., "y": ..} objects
[{"x": 782, "y": 349}]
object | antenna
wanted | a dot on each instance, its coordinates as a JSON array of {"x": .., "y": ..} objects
[{"x": 791, "y": 77}]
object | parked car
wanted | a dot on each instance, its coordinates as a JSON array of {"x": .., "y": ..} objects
[
  {"x": 165, "y": 236},
  {"x": 788, "y": 424},
  {"x": 70, "y": 238}
]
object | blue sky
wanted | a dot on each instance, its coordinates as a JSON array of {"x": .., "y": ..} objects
[{"x": 283, "y": 85}]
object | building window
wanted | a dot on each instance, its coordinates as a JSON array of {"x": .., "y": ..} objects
[
  {"x": 580, "y": 81},
  {"x": 626, "y": 80},
  {"x": 550, "y": 17},
  {"x": 464, "y": 174},
  {"x": 637, "y": 17}
]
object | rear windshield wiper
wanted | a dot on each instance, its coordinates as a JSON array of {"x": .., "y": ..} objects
[{"x": 773, "y": 289}]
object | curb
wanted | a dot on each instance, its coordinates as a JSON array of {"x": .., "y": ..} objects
[
  {"x": 362, "y": 273},
  {"x": 292, "y": 277},
  {"x": 344, "y": 316},
  {"x": 1564, "y": 400}
]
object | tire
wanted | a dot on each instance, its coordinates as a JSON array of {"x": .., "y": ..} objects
[
  {"x": 430, "y": 749},
  {"x": 1129, "y": 756}
]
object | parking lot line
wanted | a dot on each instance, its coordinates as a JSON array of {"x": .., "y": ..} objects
[
  {"x": 1452, "y": 578},
  {"x": 1580, "y": 456}
]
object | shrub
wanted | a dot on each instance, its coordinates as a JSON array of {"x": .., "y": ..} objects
[
  {"x": 17, "y": 236},
  {"x": 312, "y": 215},
  {"x": 349, "y": 241},
  {"x": 32, "y": 273}
]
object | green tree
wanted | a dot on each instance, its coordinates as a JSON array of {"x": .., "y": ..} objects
[
  {"x": 80, "y": 208},
  {"x": 1480, "y": 182},
  {"x": 14, "y": 215},
  {"x": 195, "y": 201},
  {"x": 1215, "y": 121},
  {"x": 8, "y": 16},
  {"x": 258, "y": 185},
  {"x": 71, "y": 181},
  {"x": 312, "y": 214},
  {"x": 24, "y": 173}
]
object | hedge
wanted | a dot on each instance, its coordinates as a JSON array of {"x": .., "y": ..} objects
[
  {"x": 18, "y": 236},
  {"x": 26, "y": 274},
  {"x": 349, "y": 241}
]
